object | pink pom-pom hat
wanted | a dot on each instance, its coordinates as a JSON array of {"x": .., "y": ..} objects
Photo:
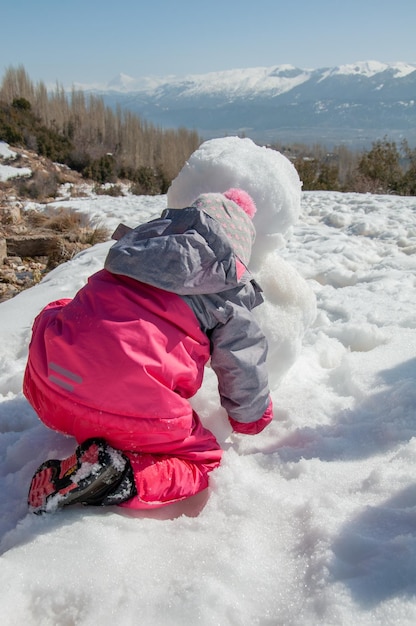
[{"x": 243, "y": 199}]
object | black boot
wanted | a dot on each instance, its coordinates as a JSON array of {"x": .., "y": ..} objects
[{"x": 95, "y": 474}]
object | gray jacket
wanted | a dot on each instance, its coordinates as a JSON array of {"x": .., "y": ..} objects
[{"x": 187, "y": 252}]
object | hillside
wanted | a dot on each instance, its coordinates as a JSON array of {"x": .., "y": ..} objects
[{"x": 34, "y": 240}]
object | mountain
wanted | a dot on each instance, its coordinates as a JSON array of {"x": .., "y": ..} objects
[{"x": 353, "y": 104}]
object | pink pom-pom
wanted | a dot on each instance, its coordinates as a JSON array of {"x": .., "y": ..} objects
[{"x": 243, "y": 199}]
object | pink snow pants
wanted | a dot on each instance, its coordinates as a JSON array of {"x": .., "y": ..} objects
[{"x": 164, "y": 472}]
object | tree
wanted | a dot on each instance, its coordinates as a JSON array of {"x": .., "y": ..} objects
[
  {"x": 408, "y": 182},
  {"x": 381, "y": 166}
]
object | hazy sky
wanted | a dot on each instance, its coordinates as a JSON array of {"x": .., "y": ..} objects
[{"x": 90, "y": 41}]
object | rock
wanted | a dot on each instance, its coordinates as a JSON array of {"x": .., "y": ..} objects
[
  {"x": 3, "y": 249},
  {"x": 10, "y": 214},
  {"x": 13, "y": 261},
  {"x": 31, "y": 245},
  {"x": 7, "y": 275},
  {"x": 8, "y": 291}
]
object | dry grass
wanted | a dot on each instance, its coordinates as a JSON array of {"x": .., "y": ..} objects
[{"x": 68, "y": 222}]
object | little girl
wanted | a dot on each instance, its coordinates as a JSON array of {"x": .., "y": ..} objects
[{"x": 115, "y": 366}]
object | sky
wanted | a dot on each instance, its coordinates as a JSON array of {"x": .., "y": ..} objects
[
  {"x": 311, "y": 521},
  {"x": 88, "y": 41}
]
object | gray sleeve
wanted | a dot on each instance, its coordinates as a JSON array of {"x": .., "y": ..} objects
[{"x": 239, "y": 352}]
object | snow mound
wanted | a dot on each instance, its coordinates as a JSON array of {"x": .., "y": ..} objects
[
  {"x": 272, "y": 181},
  {"x": 268, "y": 176},
  {"x": 288, "y": 311}
]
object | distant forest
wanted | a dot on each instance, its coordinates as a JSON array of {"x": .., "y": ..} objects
[
  {"x": 81, "y": 132},
  {"x": 107, "y": 146}
]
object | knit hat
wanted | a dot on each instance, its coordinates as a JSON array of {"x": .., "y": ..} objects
[{"x": 233, "y": 210}]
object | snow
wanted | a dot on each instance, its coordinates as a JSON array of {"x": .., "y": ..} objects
[
  {"x": 276, "y": 79},
  {"x": 371, "y": 68},
  {"x": 312, "y": 521},
  {"x": 124, "y": 83},
  {"x": 5, "y": 152},
  {"x": 8, "y": 171},
  {"x": 240, "y": 82}
]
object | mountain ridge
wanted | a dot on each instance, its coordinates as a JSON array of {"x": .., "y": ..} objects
[
  {"x": 125, "y": 83},
  {"x": 357, "y": 102}
]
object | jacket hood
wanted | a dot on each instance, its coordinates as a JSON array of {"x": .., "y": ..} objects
[{"x": 185, "y": 251}]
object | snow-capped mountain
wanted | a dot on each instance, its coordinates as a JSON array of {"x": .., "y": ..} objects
[{"x": 350, "y": 103}]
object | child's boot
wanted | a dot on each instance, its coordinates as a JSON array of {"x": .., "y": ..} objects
[{"x": 93, "y": 475}]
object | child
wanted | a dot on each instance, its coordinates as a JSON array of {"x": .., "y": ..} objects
[{"x": 115, "y": 366}]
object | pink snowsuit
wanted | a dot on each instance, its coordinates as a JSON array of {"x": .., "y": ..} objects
[{"x": 121, "y": 359}]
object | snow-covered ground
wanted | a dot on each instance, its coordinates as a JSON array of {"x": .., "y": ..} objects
[
  {"x": 312, "y": 521},
  {"x": 9, "y": 171}
]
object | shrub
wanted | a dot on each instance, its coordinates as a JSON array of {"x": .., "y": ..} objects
[
  {"x": 19, "y": 126},
  {"x": 145, "y": 181},
  {"x": 21, "y": 104},
  {"x": 52, "y": 145},
  {"x": 381, "y": 166},
  {"x": 39, "y": 186},
  {"x": 108, "y": 190},
  {"x": 97, "y": 234},
  {"x": 316, "y": 174},
  {"x": 408, "y": 181},
  {"x": 102, "y": 170},
  {"x": 10, "y": 132}
]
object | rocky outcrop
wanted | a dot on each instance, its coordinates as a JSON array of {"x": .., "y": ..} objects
[
  {"x": 27, "y": 253},
  {"x": 31, "y": 245},
  {"x": 33, "y": 241}
]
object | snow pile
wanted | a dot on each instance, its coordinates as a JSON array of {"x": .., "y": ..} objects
[
  {"x": 310, "y": 522},
  {"x": 268, "y": 176},
  {"x": 273, "y": 183},
  {"x": 289, "y": 310}
]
